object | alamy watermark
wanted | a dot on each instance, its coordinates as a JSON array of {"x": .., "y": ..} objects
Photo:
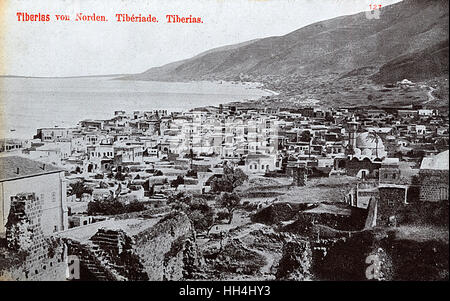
[{"x": 73, "y": 267}]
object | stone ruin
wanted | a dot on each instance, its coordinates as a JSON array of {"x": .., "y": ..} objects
[
  {"x": 165, "y": 251},
  {"x": 300, "y": 175},
  {"x": 23, "y": 229},
  {"x": 43, "y": 257}
]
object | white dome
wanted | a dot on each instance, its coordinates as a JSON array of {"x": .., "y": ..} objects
[
  {"x": 367, "y": 153},
  {"x": 367, "y": 141},
  {"x": 357, "y": 152}
]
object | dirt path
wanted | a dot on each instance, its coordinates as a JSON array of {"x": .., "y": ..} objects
[{"x": 430, "y": 95}]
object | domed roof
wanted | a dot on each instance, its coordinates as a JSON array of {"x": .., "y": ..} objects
[
  {"x": 367, "y": 153},
  {"x": 367, "y": 141}
]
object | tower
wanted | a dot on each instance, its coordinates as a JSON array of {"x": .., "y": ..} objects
[
  {"x": 300, "y": 175},
  {"x": 352, "y": 127}
]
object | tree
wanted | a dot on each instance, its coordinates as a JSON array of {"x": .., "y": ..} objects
[
  {"x": 198, "y": 211},
  {"x": 232, "y": 178},
  {"x": 134, "y": 206},
  {"x": 201, "y": 215},
  {"x": 111, "y": 206},
  {"x": 105, "y": 207},
  {"x": 374, "y": 137},
  {"x": 119, "y": 176},
  {"x": 191, "y": 173},
  {"x": 305, "y": 136},
  {"x": 229, "y": 201},
  {"x": 78, "y": 188},
  {"x": 178, "y": 181},
  {"x": 179, "y": 197}
]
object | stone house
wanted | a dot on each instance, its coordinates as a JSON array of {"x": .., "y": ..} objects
[
  {"x": 45, "y": 182},
  {"x": 433, "y": 178}
]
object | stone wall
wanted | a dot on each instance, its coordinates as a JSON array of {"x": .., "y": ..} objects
[
  {"x": 300, "y": 176},
  {"x": 391, "y": 202},
  {"x": 433, "y": 185},
  {"x": 165, "y": 251},
  {"x": 43, "y": 257},
  {"x": 168, "y": 250},
  {"x": 296, "y": 261},
  {"x": 93, "y": 264},
  {"x": 354, "y": 165}
]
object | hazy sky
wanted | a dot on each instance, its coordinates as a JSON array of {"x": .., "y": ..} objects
[{"x": 58, "y": 48}]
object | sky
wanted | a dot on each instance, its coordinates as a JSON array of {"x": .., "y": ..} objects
[{"x": 70, "y": 48}]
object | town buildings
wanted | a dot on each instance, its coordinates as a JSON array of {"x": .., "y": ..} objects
[{"x": 134, "y": 156}]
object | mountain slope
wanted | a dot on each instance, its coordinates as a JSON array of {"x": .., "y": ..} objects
[
  {"x": 166, "y": 70},
  {"x": 405, "y": 31},
  {"x": 429, "y": 63}
]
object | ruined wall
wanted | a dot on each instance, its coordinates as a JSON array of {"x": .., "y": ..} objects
[
  {"x": 300, "y": 176},
  {"x": 434, "y": 185},
  {"x": 296, "y": 261},
  {"x": 168, "y": 251},
  {"x": 43, "y": 257},
  {"x": 94, "y": 266},
  {"x": 278, "y": 212},
  {"x": 390, "y": 204},
  {"x": 165, "y": 251}
]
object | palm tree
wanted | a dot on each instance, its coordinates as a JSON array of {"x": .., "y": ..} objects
[{"x": 374, "y": 137}]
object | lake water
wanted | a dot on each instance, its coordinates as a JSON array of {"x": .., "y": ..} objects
[{"x": 27, "y": 104}]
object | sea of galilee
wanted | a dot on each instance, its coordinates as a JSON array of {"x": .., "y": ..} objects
[{"x": 27, "y": 104}]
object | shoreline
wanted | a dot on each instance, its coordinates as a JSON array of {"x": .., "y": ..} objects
[{"x": 245, "y": 92}]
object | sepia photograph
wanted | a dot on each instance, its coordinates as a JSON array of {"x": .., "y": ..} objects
[{"x": 202, "y": 141}]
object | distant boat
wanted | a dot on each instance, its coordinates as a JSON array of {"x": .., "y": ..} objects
[{"x": 12, "y": 130}]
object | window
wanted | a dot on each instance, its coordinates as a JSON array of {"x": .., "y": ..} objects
[
  {"x": 53, "y": 196},
  {"x": 443, "y": 194}
]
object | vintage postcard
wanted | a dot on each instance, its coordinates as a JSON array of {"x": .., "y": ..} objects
[{"x": 224, "y": 140}]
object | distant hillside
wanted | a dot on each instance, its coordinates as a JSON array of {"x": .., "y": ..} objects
[
  {"x": 410, "y": 39},
  {"x": 428, "y": 63},
  {"x": 168, "y": 71}
]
